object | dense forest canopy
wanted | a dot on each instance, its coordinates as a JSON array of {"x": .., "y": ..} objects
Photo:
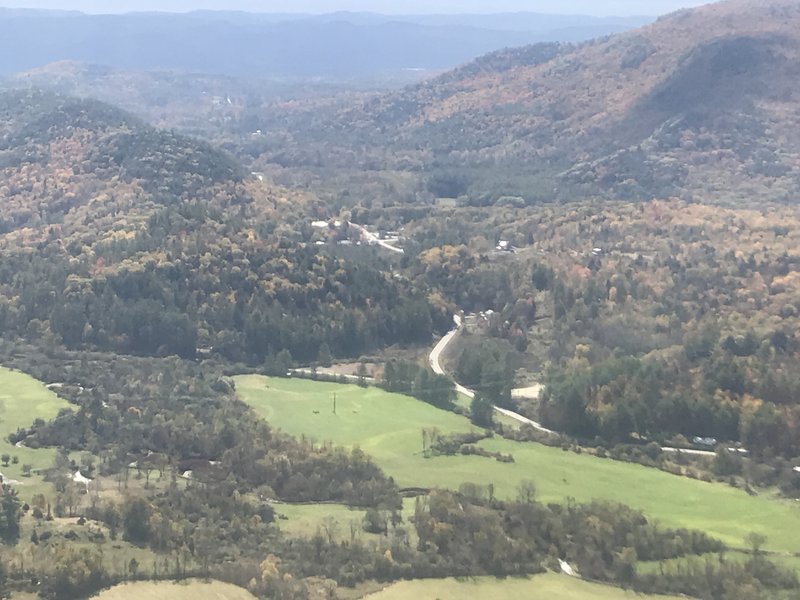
[
  {"x": 654, "y": 320},
  {"x": 121, "y": 236}
]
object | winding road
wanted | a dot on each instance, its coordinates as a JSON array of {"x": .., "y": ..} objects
[
  {"x": 434, "y": 359},
  {"x": 435, "y": 363}
]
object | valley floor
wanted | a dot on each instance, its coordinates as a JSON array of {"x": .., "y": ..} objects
[
  {"x": 23, "y": 399},
  {"x": 541, "y": 587},
  {"x": 388, "y": 427},
  {"x": 187, "y": 590}
]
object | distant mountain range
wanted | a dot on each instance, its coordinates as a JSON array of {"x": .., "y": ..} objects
[
  {"x": 518, "y": 21},
  {"x": 334, "y": 46}
]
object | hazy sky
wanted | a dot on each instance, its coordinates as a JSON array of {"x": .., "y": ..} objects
[{"x": 588, "y": 7}]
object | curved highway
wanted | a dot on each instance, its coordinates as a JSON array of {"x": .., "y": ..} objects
[
  {"x": 434, "y": 361},
  {"x": 436, "y": 366}
]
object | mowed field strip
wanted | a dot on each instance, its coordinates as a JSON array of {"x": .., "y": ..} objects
[
  {"x": 540, "y": 587},
  {"x": 389, "y": 428},
  {"x": 187, "y": 590},
  {"x": 22, "y": 400}
]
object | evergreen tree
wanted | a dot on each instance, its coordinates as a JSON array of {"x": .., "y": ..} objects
[
  {"x": 136, "y": 521},
  {"x": 9, "y": 515},
  {"x": 324, "y": 357},
  {"x": 481, "y": 411}
]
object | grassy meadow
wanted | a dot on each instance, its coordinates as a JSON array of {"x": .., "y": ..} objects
[
  {"x": 304, "y": 520},
  {"x": 388, "y": 427},
  {"x": 23, "y": 399},
  {"x": 187, "y": 590},
  {"x": 541, "y": 587}
]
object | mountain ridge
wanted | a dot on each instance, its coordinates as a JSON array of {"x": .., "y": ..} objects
[
  {"x": 244, "y": 44},
  {"x": 626, "y": 116}
]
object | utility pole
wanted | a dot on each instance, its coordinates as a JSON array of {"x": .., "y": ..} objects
[{"x": 334, "y": 402}]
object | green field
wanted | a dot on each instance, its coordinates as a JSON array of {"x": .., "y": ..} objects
[
  {"x": 23, "y": 399},
  {"x": 187, "y": 590},
  {"x": 304, "y": 520},
  {"x": 541, "y": 587},
  {"x": 388, "y": 427}
]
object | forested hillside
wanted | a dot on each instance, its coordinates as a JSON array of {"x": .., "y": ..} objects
[
  {"x": 119, "y": 236},
  {"x": 701, "y": 104}
]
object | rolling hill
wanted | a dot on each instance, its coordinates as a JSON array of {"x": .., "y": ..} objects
[
  {"x": 119, "y": 236},
  {"x": 82, "y": 152}
]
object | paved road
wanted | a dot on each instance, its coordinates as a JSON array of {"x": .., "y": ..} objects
[
  {"x": 310, "y": 373},
  {"x": 436, "y": 353},
  {"x": 372, "y": 238},
  {"x": 435, "y": 363},
  {"x": 689, "y": 451}
]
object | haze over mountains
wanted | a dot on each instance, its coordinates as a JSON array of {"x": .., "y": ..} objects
[
  {"x": 294, "y": 7},
  {"x": 339, "y": 45}
]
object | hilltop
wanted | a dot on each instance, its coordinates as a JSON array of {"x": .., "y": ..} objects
[
  {"x": 115, "y": 235},
  {"x": 82, "y": 151}
]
